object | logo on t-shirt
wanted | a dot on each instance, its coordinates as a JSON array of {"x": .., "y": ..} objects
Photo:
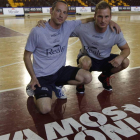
[
  {"x": 97, "y": 36},
  {"x": 56, "y": 50},
  {"x": 92, "y": 50},
  {"x": 54, "y": 35}
]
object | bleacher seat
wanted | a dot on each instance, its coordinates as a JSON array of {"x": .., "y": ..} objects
[{"x": 48, "y": 3}]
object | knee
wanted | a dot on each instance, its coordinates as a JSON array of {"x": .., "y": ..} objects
[
  {"x": 125, "y": 63},
  {"x": 83, "y": 76},
  {"x": 43, "y": 104},
  {"x": 85, "y": 63},
  {"x": 86, "y": 66},
  {"x": 87, "y": 77},
  {"x": 44, "y": 109}
]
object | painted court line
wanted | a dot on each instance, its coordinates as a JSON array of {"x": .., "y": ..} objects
[
  {"x": 11, "y": 64},
  {"x": 11, "y": 89},
  {"x": 12, "y": 30},
  {"x": 73, "y": 42}
]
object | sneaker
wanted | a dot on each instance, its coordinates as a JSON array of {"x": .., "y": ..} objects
[
  {"x": 60, "y": 92},
  {"x": 105, "y": 82},
  {"x": 80, "y": 89},
  {"x": 29, "y": 91}
]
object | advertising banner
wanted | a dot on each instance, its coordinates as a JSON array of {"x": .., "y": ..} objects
[
  {"x": 124, "y": 8},
  {"x": 137, "y": 8},
  {"x": 83, "y": 9},
  {"x": 13, "y": 11},
  {"x": 33, "y": 10},
  {"x": 46, "y": 10},
  {"x": 72, "y": 10},
  {"x": 114, "y": 9}
]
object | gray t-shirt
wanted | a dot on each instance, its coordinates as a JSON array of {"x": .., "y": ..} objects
[
  {"x": 49, "y": 47},
  {"x": 97, "y": 45}
]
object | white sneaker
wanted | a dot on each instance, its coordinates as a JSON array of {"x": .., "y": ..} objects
[
  {"x": 60, "y": 92},
  {"x": 29, "y": 91}
]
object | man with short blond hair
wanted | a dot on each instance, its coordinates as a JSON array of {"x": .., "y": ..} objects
[{"x": 97, "y": 41}]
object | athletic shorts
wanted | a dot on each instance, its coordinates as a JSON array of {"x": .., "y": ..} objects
[
  {"x": 101, "y": 65},
  {"x": 49, "y": 83}
]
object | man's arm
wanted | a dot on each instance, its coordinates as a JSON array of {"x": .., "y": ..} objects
[
  {"x": 86, "y": 20},
  {"x": 42, "y": 22},
  {"x": 112, "y": 24},
  {"x": 29, "y": 67},
  {"x": 125, "y": 51}
]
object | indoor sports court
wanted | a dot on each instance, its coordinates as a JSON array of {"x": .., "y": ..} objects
[{"x": 96, "y": 115}]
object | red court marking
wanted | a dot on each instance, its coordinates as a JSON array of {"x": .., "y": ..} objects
[
  {"x": 18, "y": 112},
  {"x": 5, "y": 32}
]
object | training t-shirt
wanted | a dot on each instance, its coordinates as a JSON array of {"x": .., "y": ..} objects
[
  {"x": 49, "y": 47},
  {"x": 97, "y": 45}
]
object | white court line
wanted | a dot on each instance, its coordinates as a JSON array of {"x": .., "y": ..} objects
[
  {"x": 11, "y": 89},
  {"x": 73, "y": 42},
  {"x": 11, "y": 64}
]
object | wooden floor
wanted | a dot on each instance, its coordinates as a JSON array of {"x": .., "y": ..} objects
[{"x": 96, "y": 115}]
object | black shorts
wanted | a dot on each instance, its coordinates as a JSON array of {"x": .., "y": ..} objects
[
  {"x": 48, "y": 83},
  {"x": 101, "y": 65}
]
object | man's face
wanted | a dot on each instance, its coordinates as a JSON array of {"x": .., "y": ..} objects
[
  {"x": 102, "y": 18},
  {"x": 59, "y": 14}
]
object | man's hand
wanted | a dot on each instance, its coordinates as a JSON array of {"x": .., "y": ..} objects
[
  {"x": 112, "y": 24},
  {"x": 41, "y": 23},
  {"x": 116, "y": 62},
  {"x": 33, "y": 83}
]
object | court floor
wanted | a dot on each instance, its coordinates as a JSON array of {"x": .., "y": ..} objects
[{"x": 97, "y": 114}]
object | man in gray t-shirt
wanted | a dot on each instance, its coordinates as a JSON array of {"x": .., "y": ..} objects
[
  {"x": 97, "y": 42},
  {"x": 49, "y": 46}
]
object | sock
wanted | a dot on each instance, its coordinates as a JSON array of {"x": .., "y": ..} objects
[{"x": 107, "y": 73}]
